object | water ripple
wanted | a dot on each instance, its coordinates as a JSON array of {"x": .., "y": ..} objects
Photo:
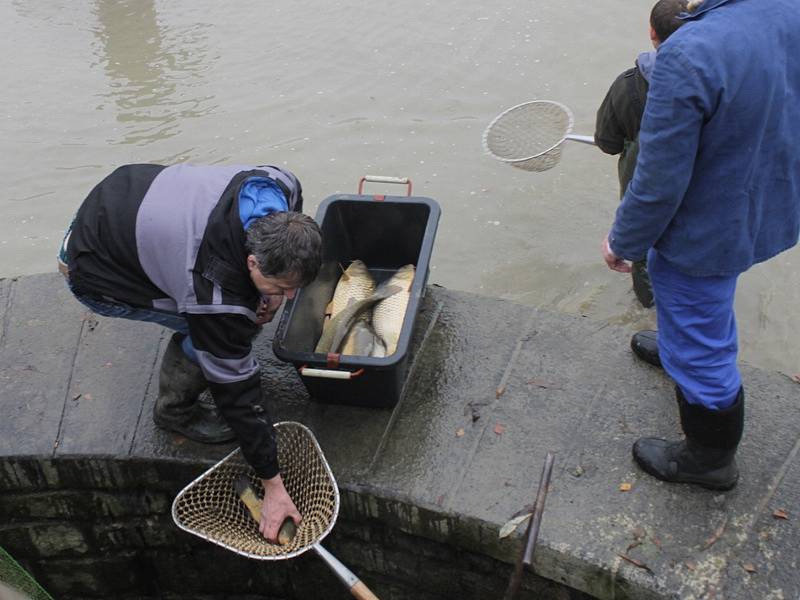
[{"x": 150, "y": 65}]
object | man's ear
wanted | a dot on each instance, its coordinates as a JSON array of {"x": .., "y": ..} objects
[
  {"x": 654, "y": 37},
  {"x": 251, "y": 262}
]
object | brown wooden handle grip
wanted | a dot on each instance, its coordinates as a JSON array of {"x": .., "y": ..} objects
[{"x": 362, "y": 592}]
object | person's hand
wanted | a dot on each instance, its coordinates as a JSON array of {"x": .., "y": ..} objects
[
  {"x": 277, "y": 505},
  {"x": 267, "y": 308},
  {"x": 614, "y": 262}
]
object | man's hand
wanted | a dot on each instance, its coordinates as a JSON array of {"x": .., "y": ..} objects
[
  {"x": 267, "y": 308},
  {"x": 614, "y": 262},
  {"x": 277, "y": 505}
]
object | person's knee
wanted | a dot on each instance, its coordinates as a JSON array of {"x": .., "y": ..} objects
[{"x": 188, "y": 349}]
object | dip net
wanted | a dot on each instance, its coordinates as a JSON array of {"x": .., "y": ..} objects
[
  {"x": 529, "y": 135},
  {"x": 16, "y": 583},
  {"x": 210, "y": 508}
]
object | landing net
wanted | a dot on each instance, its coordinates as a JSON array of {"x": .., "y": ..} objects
[{"x": 210, "y": 508}]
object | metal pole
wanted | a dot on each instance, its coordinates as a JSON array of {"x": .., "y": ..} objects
[{"x": 532, "y": 533}]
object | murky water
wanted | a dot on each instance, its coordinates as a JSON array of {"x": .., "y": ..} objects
[{"x": 335, "y": 90}]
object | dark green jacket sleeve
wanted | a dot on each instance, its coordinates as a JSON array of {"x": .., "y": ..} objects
[{"x": 620, "y": 114}]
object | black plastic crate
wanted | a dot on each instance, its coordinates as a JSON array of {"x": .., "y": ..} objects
[{"x": 386, "y": 232}]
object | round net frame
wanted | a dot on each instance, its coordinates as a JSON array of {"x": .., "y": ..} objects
[
  {"x": 529, "y": 135},
  {"x": 210, "y": 508}
]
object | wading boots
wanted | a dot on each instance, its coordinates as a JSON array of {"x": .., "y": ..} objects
[
  {"x": 642, "y": 286},
  {"x": 645, "y": 345},
  {"x": 184, "y": 404},
  {"x": 706, "y": 456}
]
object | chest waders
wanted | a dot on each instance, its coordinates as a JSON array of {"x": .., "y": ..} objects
[
  {"x": 626, "y": 165},
  {"x": 184, "y": 404}
]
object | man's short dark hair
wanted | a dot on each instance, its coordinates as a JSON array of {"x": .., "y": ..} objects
[
  {"x": 664, "y": 17},
  {"x": 286, "y": 244}
]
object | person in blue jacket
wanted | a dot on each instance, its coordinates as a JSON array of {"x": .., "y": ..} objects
[{"x": 716, "y": 189}]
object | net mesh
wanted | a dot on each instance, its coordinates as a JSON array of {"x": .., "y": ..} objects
[
  {"x": 529, "y": 135},
  {"x": 16, "y": 583},
  {"x": 210, "y": 507}
]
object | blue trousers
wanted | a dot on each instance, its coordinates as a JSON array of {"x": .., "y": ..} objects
[
  {"x": 697, "y": 339},
  {"x": 120, "y": 310}
]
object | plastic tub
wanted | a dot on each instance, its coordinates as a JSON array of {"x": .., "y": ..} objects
[{"x": 386, "y": 232}]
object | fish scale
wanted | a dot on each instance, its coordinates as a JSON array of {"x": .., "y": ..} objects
[
  {"x": 388, "y": 315},
  {"x": 333, "y": 335},
  {"x": 355, "y": 284}
]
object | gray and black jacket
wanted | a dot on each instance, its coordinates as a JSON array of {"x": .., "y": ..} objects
[{"x": 171, "y": 239}]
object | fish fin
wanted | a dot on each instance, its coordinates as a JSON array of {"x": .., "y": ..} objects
[
  {"x": 339, "y": 339},
  {"x": 345, "y": 319},
  {"x": 378, "y": 347},
  {"x": 387, "y": 290}
]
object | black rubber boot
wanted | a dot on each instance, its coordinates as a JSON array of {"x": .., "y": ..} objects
[
  {"x": 184, "y": 404},
  {"x": 642, "y": 287},
  {"x": 645, "y": 345},
  {"x": 707, "y": 456}
]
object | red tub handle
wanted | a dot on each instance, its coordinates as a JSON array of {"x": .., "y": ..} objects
[
  {"x": 383, "y": 179},
  {"x": 329, "y": 373}
]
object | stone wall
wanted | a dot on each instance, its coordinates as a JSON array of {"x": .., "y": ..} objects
[{"x": 100, "y": 527}]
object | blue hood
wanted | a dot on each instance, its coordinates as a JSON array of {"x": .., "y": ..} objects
[{"x": 646, "y": 61}]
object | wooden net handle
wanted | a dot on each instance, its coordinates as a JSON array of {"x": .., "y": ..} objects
[{"x": 362, "y": 592}]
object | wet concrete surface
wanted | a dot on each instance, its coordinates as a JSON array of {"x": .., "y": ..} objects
[{"x": 493, "y": 387}]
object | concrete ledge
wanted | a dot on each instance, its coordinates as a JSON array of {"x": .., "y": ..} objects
[{"x": 426, "y": 486}]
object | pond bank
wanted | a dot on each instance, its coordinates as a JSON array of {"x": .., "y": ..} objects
[{"x": 86, "y": 479}]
